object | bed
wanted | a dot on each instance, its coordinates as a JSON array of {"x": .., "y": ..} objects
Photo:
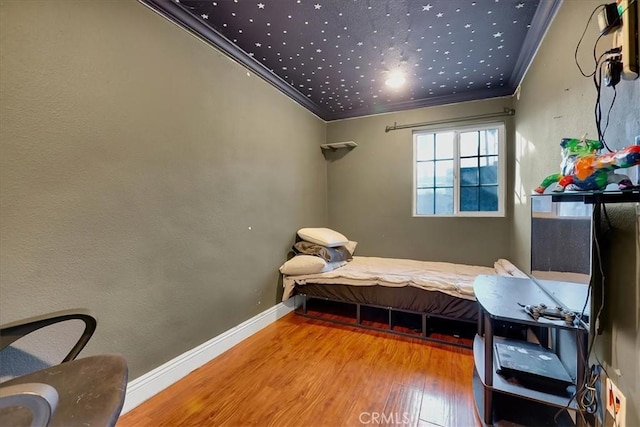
[{"x": 430, "y": 290}]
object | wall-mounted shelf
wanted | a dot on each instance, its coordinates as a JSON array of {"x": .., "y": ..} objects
[{"x": 350, "y": 145}]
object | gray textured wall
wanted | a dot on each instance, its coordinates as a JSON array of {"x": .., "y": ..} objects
[
  {"x": 555, "y": 102},
  {"x": 144, "y": 176},
  {"x": 370, "y": 192}
]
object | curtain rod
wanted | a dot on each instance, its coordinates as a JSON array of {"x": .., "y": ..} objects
[{"x": 505, "y": 112}]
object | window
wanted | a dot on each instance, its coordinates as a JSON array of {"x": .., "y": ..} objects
[{"x": 459, "y": 172}]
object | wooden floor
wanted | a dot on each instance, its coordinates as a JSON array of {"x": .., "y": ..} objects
[{"x": 304, "y": 372}]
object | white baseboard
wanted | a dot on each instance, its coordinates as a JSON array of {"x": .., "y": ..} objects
[{"x": 153, "y": 382}]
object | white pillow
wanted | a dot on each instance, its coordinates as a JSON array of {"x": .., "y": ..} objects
[
  {"x": 308, "y": 264},
  {"x": 323, "y": 236}
]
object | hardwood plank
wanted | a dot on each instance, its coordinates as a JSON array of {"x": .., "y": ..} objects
[
  {"x": 446, "y": 399},
  {"x": 305, "y": 372},
  {"x": 402, "y": 406},
  {"x": 463, "y": 412},
  {"x": 371, "y": 399}
]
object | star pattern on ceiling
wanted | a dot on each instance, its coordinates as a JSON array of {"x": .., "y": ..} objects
[{"x": 338, "y": 53}]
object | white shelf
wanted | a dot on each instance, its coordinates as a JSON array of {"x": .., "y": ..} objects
[{"x": 336, "y": 145}]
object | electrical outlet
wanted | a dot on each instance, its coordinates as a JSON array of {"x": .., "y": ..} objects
[{"x": 616, "y": 404}]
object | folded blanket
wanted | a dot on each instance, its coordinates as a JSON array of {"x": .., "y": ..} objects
[{"x": 339, "y": 253}]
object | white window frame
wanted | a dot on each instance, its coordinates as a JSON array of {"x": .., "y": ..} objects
[{"x": 502, "y": 168}]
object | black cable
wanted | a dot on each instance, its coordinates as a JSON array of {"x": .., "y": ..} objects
[
  {"x": 575, "y": 55},
  {"x": 597, "y": 79},
  {"x": 609, "y": 52},
  {"x": 595, "y": 54},
  {"x": 587, "y": 397},
  {"x": 598, "y": 258},
  {"x": 597, "y": 72},
  {"x": 615, "y": 94},
  {"x": 583, "y": 392},
  {"x": 602, "y": 281},
  {"x": 602, "y": 292},
  {"x": 598, "y": 114},
  {"x": 597, "y": 111}
]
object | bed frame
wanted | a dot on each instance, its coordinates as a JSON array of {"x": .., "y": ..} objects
[{"x": 391, "y": 323}]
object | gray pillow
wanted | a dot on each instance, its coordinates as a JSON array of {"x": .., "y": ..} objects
[{"x": 339, "y": 253}]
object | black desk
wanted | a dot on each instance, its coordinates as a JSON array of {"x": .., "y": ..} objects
[{"x": 498, "y": 297}]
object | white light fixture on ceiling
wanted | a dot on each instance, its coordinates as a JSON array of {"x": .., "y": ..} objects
[{"x": 395, "y": 79}]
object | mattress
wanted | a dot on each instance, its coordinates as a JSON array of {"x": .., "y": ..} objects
[{"x": 455, "y": 280}]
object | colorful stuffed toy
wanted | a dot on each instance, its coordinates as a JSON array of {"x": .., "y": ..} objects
[{"x": 586, "y": 169}]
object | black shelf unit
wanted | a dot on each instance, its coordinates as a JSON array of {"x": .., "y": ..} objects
[
  {"x": 498, "y": 297},
  {"x": 499, "y": 399},
  {"x": 594, "y": 197}
]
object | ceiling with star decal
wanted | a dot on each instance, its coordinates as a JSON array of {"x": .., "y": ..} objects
[{"x": 334, "y": 56}]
